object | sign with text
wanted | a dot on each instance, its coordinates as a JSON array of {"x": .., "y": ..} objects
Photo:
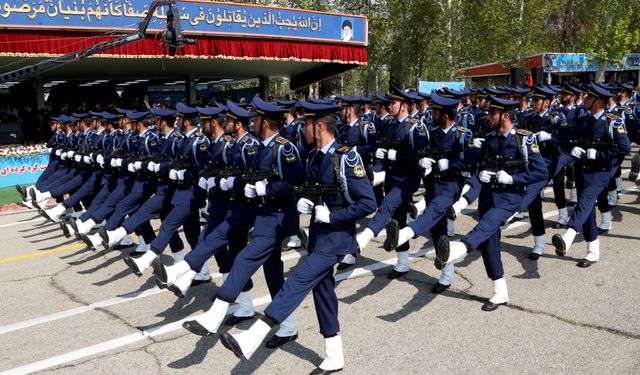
[
  {"x": 22, "y": 170},
  {"x": 197, "y": 17}
]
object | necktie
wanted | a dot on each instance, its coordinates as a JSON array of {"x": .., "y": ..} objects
[{"x": 317, "y": 161}]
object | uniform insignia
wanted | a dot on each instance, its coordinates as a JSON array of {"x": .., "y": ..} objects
[
  {"x": 343, "y": 149},
  {"x": 523, "y": 132},
  {"x": 332, "y": 150},
  {"x": 245, "y": 139},
  {"x": 358, "y": 171},
  {"x": 251, "y": 151},
  {"x": 176, "y": 133},
  {"x": 612, "y": 116},
  {"x": 290, "y": 158},
  {"x": 281, "y": 140},
  {"x": 228, "y": 138},
  {"x": 462, "y": 129},
  {"x": 153, "y": 142},
  {"x": 621, "y": 129},
  {"x": 534, "y": 148},
  {"x": 202, "y": 147}
]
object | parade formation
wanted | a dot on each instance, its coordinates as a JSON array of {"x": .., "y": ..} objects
[{"x": 242, "y": 180}]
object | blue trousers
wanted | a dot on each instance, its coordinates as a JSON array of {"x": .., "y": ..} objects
[
  {"x": 157, "y": 204},
  {"x": 433, "y": 219},
  {"x": 117, "y": 195},
  {"x": 90, "y": 187},
  {"x": 185, "y": 216}
]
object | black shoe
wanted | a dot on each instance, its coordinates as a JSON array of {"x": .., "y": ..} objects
[
  {"x": 451, "y": 213},
  {"x": 32, "y": 194},
  {"x": 319, "y": 371},
  {"x": 122, "y": 247},
  {"x": 196, "y": 282},
  {"x": 65, "y": 230},
  {"x": 344, "y": 266},
  {"x": 277, "y": 341},
  {"x": 571, "y": 204},
  {"x": 558, "y": 242},
  {"x": 584, "y": 263},
  {"x": 230, "y": 343},
  {"x": 87, "y": 241},
  {"x": 23, "y": 192},
  {"x": 635, "y": 168},
  {"x": 557, "y": 225},
  {"x": 439, "y": 288},
  {"x": 396, "y": 275},
  {"x": 132, "y": 266},
  {"x": 534, "y": 256},
  {"x": 570, "y": 184},
  {"x": 442, "y": 252},
  {"x": 176, "y": 291},
  {"x": 304, "y": 239},
  {"x": 490, "y": 306},
  {"x": 160, "y": 273},
  {"x": 413, "y": 213},
  {"x": 196, "y": 328},
  {"x": 235, "y": 320},
  {"x": 74, "y": 225},
  {"x": 105, "y": 237},
  {"x": 393, "y": 229},
  {"x": 603, "y": 231}
]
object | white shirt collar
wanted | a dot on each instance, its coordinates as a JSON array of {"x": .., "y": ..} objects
[
  {"x": 598, "y": 115},
  {"x": 219, "y": 137},
  {"x": 326, "y": 147},
  {"x": 191, "y": 132},
  {"x": 449, "y": 128},
  {"x": 354, "y": 122},
  {"x": 404, "y": 118},
  {"x": 268, "y": 140}
]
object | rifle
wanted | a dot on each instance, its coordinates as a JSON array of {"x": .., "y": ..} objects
[
  {"x": 181, "y": 164},
  {"x": 498, "y": 164},
  {"x": 314, "y": 192},
  {"x": 437, "y": 153},
  {"x": 255, "y": 176},
  {"x": 388, "y": 144},
  {"x": 587, "y": 143}
]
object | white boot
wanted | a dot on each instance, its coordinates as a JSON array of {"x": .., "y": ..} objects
[
  {"x": 28, "y": 204},
  {"x": 593, "y": 251},
  {"x": 563, "y": 216},
  {"x": 176, "y": 271},
  {"x": 364, "y": 237},
  {"x": 56, "y": 212},
  {"x": 204, "y": 274},
  {"x": 294, "y": 242},
  {"x": 145, "y": 261},
  {"x": 85, "y": 226},
  {"x": 542, "y": 194},
  {"x": 213, "y": 317},
  {"x": 378, "y": 178},
  {"x": 181, "y": 286},
  {"x": 605, "y": 224},
  {"x": 178, "y": 255},
  {"x": 451, "y": 228},
  {"x": 563, "y": 243},
  {"x": 334, "y": 356},
  {"x": 42, "y": 196},
  {"x": 573, "y": 196},
  {"x": 449, "y": 252},
  {"x": 460, "y": 205},
  {"x": 115, "y": 236},
  {"x": 420, "y": 206},
  {"x": 500, "y": 293},
  {"x": 619, "y": 184},
  {"x": 538, "y": 246},
  {"x": 287, "y": 327},
  {"x": 348, "y": 259},
  {"x": 402, "y": 265},
  {"x": 127, "y": 240},
  {"x": 612, "y": 198},
  {"x": 404, "y": 235},
  {"x": 250, "y": 340},
  {"x": 447, "y": 275},
  {"x": 94, "y": 239},
  {"x": 245, "y": 305},
  {"x": 142, "y": 246}
]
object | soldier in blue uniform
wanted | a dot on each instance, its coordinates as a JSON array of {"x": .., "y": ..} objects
[
  {"x": 331, "y": 235},
  {"x": 447, "y": 156},
  {"x": 270, "y": 184},
  {"x": 511, "y": 161},
  {"x": 398, "y": 149},
  {"x": 192, "y": 155},
  {"x": 601, "y": 140}
]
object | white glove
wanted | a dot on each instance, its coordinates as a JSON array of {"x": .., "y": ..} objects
[
  {"x": 322, "y": 214},
  {"x": 427, "y": 164},
  {"x": 137, "y": 165},
  {"x": 504, "y": 178},
  {"x": 156, "y": 167},
  {"x": 100, "y": 159},
  {"x": 77, "y": 158},
  {"x": 577, "y": 152},
  {"x": 485, "y": 176},
  {"x": 305, "y": 206},
  {"x": 63, "y": 156},
  {"x": 261, "y": 187},
  {"x": 591, "y": 154},
  {"x": 58, "y": 152},
  {"x": 211, "y": 182},
  {"x": 227, "y": 183},
  {"x": 173, "y": 174},
  {"x": 477, "y": 142},
  {"x": 151, "y": 166},
  {"x": 131, "y": 167},
  {"x": 70, "y": 154},
  {"x": 86, "y": 159},
  {"x": 381, "y": 153},
  {"x": 443, "y": 164},
  {"x": 543, "y": 136},
  {"x": 202, "y": 183},
  {"x": 114, "y": 162},
  {"x": 250, "y": 191},
  {"x": 391, "y": 155},
  {"x": 49, "y": 149},
  {"x": 181, "y": 174}
]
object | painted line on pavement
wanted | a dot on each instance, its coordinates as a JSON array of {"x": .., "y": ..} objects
[{"x": 44, "y": 252}]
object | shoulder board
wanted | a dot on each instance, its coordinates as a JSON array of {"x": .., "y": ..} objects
[
  {"x": 413, "y": 120},
  {"x": 343, "y": 149},
  {"x": 245, "y": 139},
  {"x": 228, "y": 138},
  {"x": 176, "y": 133},
  {"x": 612, "y": 116},
  {"x": 199, "y": 133},
  {"x": 623, "y": 107},
  {"x": 462, "y": 129},
  {"x": 435, "y": 128},
  {"x": 523, "y": 132},
  {"x": 282, "y": 140}
]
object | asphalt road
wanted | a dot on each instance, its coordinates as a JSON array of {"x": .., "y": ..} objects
[{"x": 70, "y": 310}]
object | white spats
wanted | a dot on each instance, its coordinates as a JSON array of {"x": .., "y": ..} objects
[
  {"x": 294, "y": 242},
  {"x": 420, "y": 206},
  {"x": 127, "y": 241},
  {"x": 568, "y": 238},
  {"x": 460, "y": 205},
  {"x": 115, "y": 236},
  {"x": 287, "y": 327},
  {"x": 500, "y": 293},
  {"x": 563, "y": 216},
  {"x": 378, "y": 178},
  {"x": 184, "y": 282},
  {"x": 364, "y": 237},
  {"x": 593, "y": 250},
  {"x": 573, "y": 197},
  {"x": 612, "y": 198},
  {"x": 178, "y": 255},
  {"x": 204, "y": 274},
  {"x": 403, "y": 261},
  {"x": 251, "y": 339},
  {"x": 404, "y": 235},
  {"x": 334, "y": 355},
  {"x": 42, "y": 196},
  {"x": 451, "y": 228},
  {"x": 212, "y": 319},
  {"x": 538, "y": 244},
  {"x": 245, "y": 305},
  {"x": 457, "y": 251},
  {"x": 176, "y": 271},
  {"x": 142, "y": 247},
  {"x": 56, "y": 212},
  {"x": 145, "y": 260},
  {"x": 447, "y": 275},
  {"x": 605, "y": 223},
  {"x": 348, "y": 259},
  {"x": 85, "y": 226},
  {"x": 95, "y": 240}
]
